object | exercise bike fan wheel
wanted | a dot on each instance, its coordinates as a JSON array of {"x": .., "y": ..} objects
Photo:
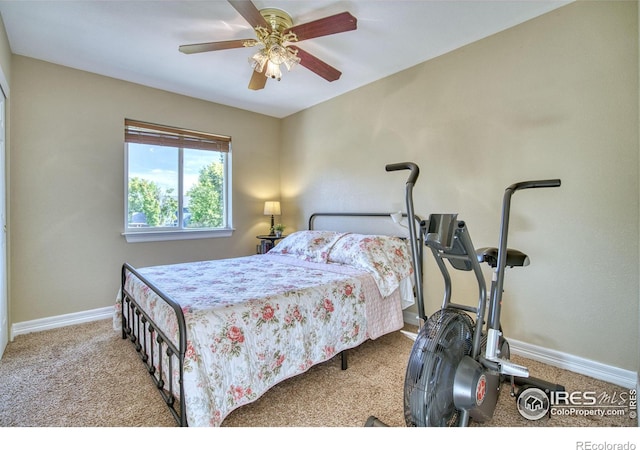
[{"x": 428, "y": 389}]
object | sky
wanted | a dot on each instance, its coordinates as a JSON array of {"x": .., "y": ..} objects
[{"x": 160, "y": 164}]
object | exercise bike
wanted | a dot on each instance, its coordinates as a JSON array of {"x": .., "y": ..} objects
[{"x": 458, "y": 363}]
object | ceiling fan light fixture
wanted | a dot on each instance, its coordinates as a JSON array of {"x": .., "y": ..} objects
[
  {"x": 277, "y": 54},
  {"x": 291, "y": 59},
  {"x": 272, "y": 58},
  {"x": 273, "y": 71},
  {"x": 274, "y": 51},
  {"x": 259, "y": 60}
]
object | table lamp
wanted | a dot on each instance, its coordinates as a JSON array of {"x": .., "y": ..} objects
[{"x": 271, "y": 209}]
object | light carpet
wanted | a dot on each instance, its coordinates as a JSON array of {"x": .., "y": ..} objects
[{"x": 88, "y": 376}]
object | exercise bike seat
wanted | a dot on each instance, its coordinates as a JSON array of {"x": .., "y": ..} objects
[{"x": 515, "y": 258}]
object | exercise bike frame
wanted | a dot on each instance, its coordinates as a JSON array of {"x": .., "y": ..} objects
[
  {"x": 448, "y": 238},
  {"x": 478, "y": 376}
]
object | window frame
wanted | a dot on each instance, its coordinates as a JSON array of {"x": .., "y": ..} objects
[{"x": 146, "y": 130}]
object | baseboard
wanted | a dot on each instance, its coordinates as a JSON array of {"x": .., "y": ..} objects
[
  {"x": 410, "y": 317},
  {"x": 577, "y": 364},
  {"x": 620, "y": 377},
  {"x": 64, "y": 320}
]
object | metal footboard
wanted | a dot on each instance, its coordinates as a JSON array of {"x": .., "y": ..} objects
[{"x": 151, "y": 342}]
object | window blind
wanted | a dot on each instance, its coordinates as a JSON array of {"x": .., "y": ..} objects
[{"x": 153, "y": 134}]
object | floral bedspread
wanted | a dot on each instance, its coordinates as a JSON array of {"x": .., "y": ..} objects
[{"x": 255, "y": 321}]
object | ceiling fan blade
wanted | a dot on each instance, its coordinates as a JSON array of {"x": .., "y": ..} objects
[
  {"x": 221, "y": 45},
  {"x": 337, "y": 23},
  {"x": 250, "y": 13},
  {"x": 317, "y": 66},
  {"x": 258, "y": 81}
]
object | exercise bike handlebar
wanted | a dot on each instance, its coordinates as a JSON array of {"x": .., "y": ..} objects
[
  {"x": 415, "y": 171},
  {"x": 496, "y": 294},
  {"x": 534, "y": 184},
  {"x": 413, "y": 233}
]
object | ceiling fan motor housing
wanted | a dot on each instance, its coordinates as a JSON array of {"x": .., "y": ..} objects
[{"x": 278, "y": 19}]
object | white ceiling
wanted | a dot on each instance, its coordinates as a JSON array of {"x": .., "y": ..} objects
[{"x": 138, "y": 41}]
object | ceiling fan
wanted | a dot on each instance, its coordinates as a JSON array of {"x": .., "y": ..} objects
[{"x": 275, "y": 34}]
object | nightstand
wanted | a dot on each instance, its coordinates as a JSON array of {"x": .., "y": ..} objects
[{"x": 267, "y": 242}]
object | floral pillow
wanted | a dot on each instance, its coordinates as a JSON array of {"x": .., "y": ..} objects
[
  {"x": 311, "y": 246},
  {"x": 387, "y": 258}
]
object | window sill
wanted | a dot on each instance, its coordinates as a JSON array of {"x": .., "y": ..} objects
[{"x": 155, "y": 236}]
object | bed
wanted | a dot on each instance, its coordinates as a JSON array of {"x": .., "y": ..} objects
[{"x": 216, "y": 335}]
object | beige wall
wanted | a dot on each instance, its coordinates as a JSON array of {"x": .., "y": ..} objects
[
  {"x": 554, "y": 97},
  {"x": 67, "y": 184}
]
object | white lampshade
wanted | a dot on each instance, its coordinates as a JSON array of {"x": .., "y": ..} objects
[{"x": 271, "y": 208}]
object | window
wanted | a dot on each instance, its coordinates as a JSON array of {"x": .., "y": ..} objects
[{"x": 177, "y": 183}]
